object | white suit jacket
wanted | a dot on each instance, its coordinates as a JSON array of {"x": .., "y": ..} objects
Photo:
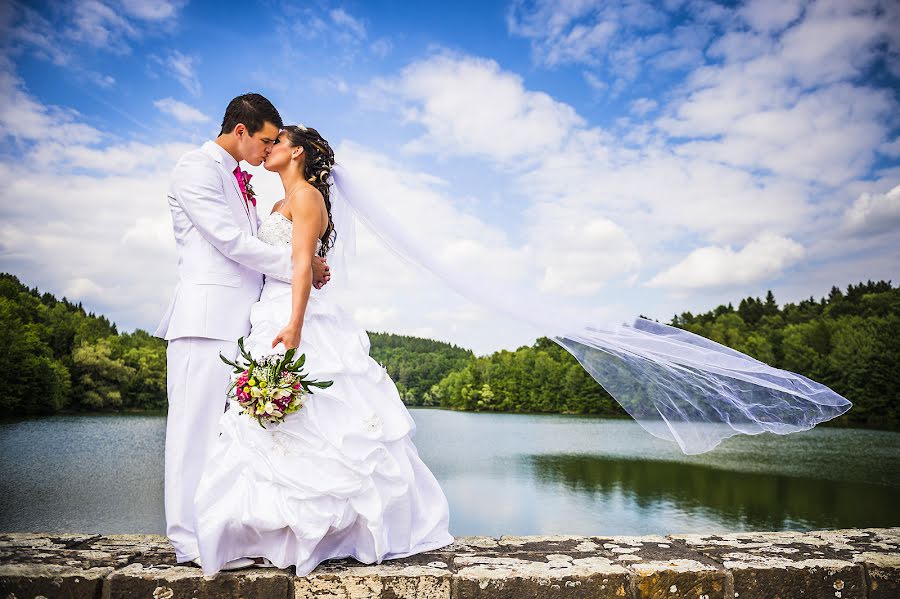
[{"x": 220, "y": 260}]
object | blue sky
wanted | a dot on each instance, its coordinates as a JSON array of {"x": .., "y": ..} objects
[{"x": 612, "y": 158}]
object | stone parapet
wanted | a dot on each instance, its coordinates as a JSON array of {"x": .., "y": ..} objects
[{"x": 842, "y": 564}]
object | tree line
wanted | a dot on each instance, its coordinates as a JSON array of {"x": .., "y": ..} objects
[{"x": 63, "y": 358}]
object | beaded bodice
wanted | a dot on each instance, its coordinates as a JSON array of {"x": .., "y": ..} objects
[{"x": 276, "y": 230}]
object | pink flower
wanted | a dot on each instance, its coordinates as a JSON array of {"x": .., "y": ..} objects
[{"x": 247, "y": 176}]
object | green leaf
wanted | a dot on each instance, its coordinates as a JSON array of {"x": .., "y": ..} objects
[
  {"x": 244, "y": 352},
  {"x": 320, "y": 384}
]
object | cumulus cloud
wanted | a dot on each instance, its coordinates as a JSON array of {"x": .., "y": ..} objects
[
  {"x": 727, "y": 158},
  {"x": 182, "y": 112},
  {"x": 563, "y": 162},
  {"x": 874, "y": 214},
  {"x": 762, "y": 259},
  {"x": 446, "y": 95},
  {"x": 589, "y": 250}
]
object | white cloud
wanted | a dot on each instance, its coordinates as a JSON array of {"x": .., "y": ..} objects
[
  {"x": 739, "y": 46},
  {"x": 22, "y": 27},
  {"x": 617, "y": 37},
  {"x": 153, "y": 10},
  {"x": 595, "y": 83},
  {"x": 82, "y": 288},
  {"x": 98, "y": 25},
  {"x": 447, "y": 96},
  {"x": 24, "y": 118},
  {"x": 183, "y": 69},
  {"x": 829, "y": 134},
  {"x": 649, "y": 200},
  {"x": 770, "y": 16},
  {"x": 588, "y": 253},
  {"x": 891, "y": 148},
  {"x": 642, "y": 106},
  {"x": 98, "y": 241},
  {"x": 182, "y": 112},
  {"x": 874, "y": 214},
  {"x": 708, "y": 267},
  {"x": 348, "y": 24},
  {"x": 579, "y": 44},
  {"x": 94, "y": 243},
  {"x": 58, "y": 36},
  {"x": 374, "y": 317},
  {"x": 381, "y": 47},
  {"x": 113, "y": 26}
]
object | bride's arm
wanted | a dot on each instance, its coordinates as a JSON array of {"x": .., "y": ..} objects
[{"x": 306, "y": 215}]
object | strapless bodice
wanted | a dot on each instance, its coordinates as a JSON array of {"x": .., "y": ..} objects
[{"x": 276, "y": 230}]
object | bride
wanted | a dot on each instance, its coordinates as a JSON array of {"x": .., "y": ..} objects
[{"x": 341, "y": 477}]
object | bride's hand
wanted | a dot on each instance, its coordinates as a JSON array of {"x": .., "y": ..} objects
[
  {"x": 289, "y": 335},
  {"x": 321, "y": 272}
]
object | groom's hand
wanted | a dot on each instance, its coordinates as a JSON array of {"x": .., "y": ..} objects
[{"x": 321, "y": 272}]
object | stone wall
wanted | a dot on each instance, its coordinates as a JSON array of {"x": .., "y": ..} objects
[{"x": 840, "y": 564}]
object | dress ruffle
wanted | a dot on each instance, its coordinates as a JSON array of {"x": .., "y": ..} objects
[{"x": 339, "y": 478}]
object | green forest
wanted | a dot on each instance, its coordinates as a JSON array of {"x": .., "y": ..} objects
[{"x": 66, "y": 359}]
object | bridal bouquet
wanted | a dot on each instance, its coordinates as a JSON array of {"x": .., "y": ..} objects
[{"x": 271, "y": 388}]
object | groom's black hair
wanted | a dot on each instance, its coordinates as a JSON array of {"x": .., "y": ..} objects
[{"x": 251, "y": 109}]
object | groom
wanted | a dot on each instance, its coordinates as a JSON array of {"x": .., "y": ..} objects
[{"x": 221, "y": 264}]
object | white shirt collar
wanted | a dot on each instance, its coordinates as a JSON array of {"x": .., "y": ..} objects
[{"x": 228, "y": 160}]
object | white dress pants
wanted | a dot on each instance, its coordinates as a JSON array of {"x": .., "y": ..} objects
[{"x": 197, "y": 381}]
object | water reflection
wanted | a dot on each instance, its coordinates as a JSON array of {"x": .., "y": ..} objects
[{"x": 738, "y": 500}]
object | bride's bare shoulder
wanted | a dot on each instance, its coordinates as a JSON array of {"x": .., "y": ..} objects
[
  {"x": 305, "y": 197},
  {"x": 278, "y": 205},
  {"x": 304, "y": 201}
]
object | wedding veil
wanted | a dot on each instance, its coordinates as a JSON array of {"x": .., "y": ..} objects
[{"x": 679, "y": 386}]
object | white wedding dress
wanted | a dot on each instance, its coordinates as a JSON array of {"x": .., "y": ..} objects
[{"x": 339, "y": 478}]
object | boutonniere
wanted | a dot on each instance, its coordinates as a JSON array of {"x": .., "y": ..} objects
[{"x": 251, "y": 195}]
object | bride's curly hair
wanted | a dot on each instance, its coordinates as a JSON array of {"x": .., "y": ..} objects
[{"x": 319, "y": 158}]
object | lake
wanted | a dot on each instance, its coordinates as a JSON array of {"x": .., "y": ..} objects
[{"x": 516, "y": 474}]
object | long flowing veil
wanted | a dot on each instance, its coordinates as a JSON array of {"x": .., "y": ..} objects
[{"x": 679, "y": 386}]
